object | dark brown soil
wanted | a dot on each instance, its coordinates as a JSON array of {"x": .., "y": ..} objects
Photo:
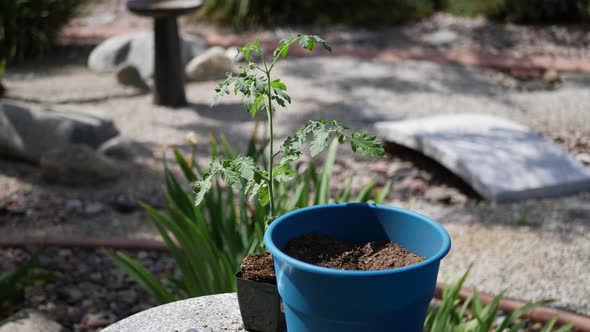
[
  {"x": 259, "y": 267},
  {"x": 324, "y": 251}
]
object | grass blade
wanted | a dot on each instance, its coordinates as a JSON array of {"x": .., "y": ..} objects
[
  {"x": 365, "y": 194},
  {"x": 142, "y": 276},
  {"x": 323, "y": 195}
]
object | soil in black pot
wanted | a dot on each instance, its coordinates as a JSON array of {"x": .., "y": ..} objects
[
  {"x": 324, "y": 251},
  {"x": 259, "y": 267}
]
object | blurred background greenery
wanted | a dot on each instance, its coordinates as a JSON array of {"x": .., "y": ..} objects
[
  {"x": 375, "y": 13},
  {"x": 28, "y": 27}
]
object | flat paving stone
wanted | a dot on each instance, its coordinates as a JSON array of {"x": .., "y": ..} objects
[
  {"x": 200, "y": 314},
  {"x": 502, "y": 160}
]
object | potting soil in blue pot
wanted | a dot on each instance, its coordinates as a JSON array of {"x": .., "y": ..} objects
[{"x": 320, "y": 299}]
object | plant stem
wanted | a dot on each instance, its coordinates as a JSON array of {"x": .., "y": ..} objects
[{"x": 271, "y": 154}]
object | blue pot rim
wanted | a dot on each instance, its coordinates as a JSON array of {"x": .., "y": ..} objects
[{"x": 279, "y": 254}]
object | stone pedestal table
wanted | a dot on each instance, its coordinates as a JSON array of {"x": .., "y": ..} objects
[
  {"x": 168, "y": 67},
  {"x": 200, "y": 314}
]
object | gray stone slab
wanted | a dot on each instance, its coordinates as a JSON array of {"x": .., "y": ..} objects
[
  {"x": 28, "y": 131},
  {"x": 502, "y": 160},
  {"x": 201, "y": 314}
]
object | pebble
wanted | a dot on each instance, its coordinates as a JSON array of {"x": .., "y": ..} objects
[
  {"x": 71, "y": 294},
  {"x": 584, "y": 158},
  {"x": 142, "y": 255},
  {"x": 96, "y": 276},
  {"x": 74, "y": 205},
  {"x": 98, "y": 320},
  {"x": 65, "y": 252},
  {"x": 124, "y": 203},
  {"x": 94, "y": 208},
  {"x": 551, "y": 76},
  {"x": 128, "y": 296}
]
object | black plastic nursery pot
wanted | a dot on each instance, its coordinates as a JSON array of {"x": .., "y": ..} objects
[{"x": 260, "y": 306}]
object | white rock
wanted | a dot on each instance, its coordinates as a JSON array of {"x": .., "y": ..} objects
[
  {"x": 441, "y": 37},
  {"x": 30, "y": 321},
  {"x": 584, "y": 158},
  {"x": 212, "y": 65},
  {"x": 124, "y": 148},
  {"x": 26, "y": 131},
  {"x": 501, "y": 160},
  {"x": 137, "y": 49},
  {"x": 129, "y": 75}
]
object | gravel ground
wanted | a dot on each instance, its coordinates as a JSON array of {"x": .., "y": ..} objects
[
  {"x": 545, "y": 241},
  {"x": 481, "y": 35},
  {"x": 90, "y": 291}
]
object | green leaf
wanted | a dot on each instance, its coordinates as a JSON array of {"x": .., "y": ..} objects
[
  {"x": 249, "y": 48},
  {"x": 255, "y": 106},
  {"x": 319, "y": 142},
  {"x": 363, "y": 143},
  {"x": 307, "y": 42},
  {"x": 263, "y": 195},
  {"x": 186, "y": 169},
  {"x": 230, "y": 175},
  {"x": 519, "y": 312},
  {"x": 366, "y": 192},
  {"x": 383, "y": 192},
  {"x": 283, "y": 173},
  {"x": 177, "y": 195},
  {"x": 204, "y": 185},
  {"x": 280, "y": 101},
  {"x": 283, "y": 48},
  {"x": 223, "y": 88},
  {"x": 566, "y": 328},
  {"x": 277, "y": 84},
  {"x": 323, "y": 195},
  {"x": 246, "y": 167},
  {"x": 141, "y": 276}
]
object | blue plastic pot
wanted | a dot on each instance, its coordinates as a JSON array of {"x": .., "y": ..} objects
[{"x": 320, "y": 299}]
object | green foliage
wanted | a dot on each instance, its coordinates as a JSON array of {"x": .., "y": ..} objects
[
  {"x": 13, "y": 283},
  {"x": 209, "y": 241},
  {"x": 349, "y": 12},
  {"x": 260, "y": 92},
  {"x": 374, "y": 13},
  {"x": 524, "y": 11},
  {"x": 475, "y": 316},
  {"x": 28, "y": 27}
]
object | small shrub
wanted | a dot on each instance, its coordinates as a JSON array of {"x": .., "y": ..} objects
[
  {"x": 474, "y": 316},
  {"x": 347, "y": 12},
  {"x": 28, "y": 27},
  {"x": 209, "y": 241},
  {"x": 524, "y": 11}
]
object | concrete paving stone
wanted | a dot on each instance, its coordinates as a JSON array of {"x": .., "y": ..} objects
[{"x": 502, "y": 160}]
